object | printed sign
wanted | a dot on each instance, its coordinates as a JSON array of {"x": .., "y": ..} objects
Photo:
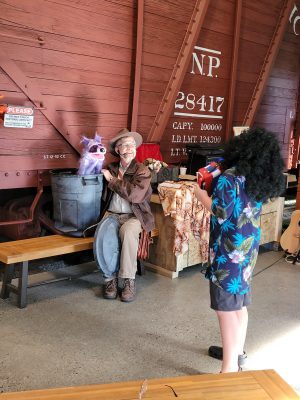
[
  {"x": 199, "y": 109},
  {"x": 18, "y": 117}
]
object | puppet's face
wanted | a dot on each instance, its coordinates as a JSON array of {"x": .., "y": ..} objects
[
  {"x": 94, "y": 148},
  {"x": 126, "y": 148}
]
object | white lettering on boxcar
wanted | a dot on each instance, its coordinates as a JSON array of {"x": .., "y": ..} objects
[
  {"x": 296, "y": 19},
  {"x": 206, "y": 64}
]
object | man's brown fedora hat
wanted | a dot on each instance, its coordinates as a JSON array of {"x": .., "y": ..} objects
[{"x": 124, "y": 133}]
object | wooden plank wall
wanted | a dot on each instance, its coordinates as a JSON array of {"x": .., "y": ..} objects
[
  {"x": 216, "y": 34},
  {"x": 215, "y": 44},
  {"x": 258, "y": 23},
  {"x": 277, "y": 111},
  {"x": 165, "y": 24},
  {"x": 84, "y": 67}
]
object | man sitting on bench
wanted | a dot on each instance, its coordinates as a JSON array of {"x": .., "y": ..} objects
[{"x": 126, "y": 210}]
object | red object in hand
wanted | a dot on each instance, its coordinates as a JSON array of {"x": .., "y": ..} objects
[
  {"x": 148, "y": 150},
  {"x": 206, "y": 174}
]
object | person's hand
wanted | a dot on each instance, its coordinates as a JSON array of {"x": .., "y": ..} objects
[
  {"x": 203, "y": 197},
  {"x": 200, "y": 193},
  {"x": 107, "y": 175}
]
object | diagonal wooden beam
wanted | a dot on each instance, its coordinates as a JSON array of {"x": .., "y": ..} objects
[
  {"x": 268, "y": 62},
  {"x": 233, "y": 75},
  {"x": 41, "y": 102},
  {"x": 179, "y": 71}
]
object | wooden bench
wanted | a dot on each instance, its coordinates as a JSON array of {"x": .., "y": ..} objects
[
  {"x": 23, "y": 251},
  {"x": 251, "y": 385}
]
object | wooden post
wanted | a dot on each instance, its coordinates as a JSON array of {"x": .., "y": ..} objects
[
  {"x": 235, "y": 55},
  {"x": 138, "y": 64}
]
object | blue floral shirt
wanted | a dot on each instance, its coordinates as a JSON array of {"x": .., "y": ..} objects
[{"x": 235, "y": 234}]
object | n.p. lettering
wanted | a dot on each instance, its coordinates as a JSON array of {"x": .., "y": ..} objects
[
  {"x": 205, "y": 61},
  {"x": 294, "y": 19}
]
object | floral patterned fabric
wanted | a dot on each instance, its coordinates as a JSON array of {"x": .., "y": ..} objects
[
  {"x": 190, "y": 216},
  {"x": 235, "y": 234}
]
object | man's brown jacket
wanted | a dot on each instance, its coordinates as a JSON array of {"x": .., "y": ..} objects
[{"x": 135, "y": 188}]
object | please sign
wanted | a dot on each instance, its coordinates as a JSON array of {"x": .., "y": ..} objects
[{"x": 18, "y": 117}]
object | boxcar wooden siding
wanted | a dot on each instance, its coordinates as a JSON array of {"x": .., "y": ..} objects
[
  {"x": 80, "y": 56},
  {"x": 277, "y": 110},
  {"x": 83, "y": 67},
  {"x": 258, "y": 23}
]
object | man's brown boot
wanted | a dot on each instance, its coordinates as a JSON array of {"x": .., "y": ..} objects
[
  {"x": 128, "y": 292},
  {"x": 111, "y": 289}
]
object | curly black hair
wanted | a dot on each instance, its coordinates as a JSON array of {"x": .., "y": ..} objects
[{"x": 255, "y": 154}]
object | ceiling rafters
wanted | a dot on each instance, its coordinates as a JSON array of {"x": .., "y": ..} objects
[
  {"x": 179, "y": 71},
  {"x": 268, "y": 62}
]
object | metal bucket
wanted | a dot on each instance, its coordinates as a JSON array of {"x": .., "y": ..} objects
[{"x": 76, "y": 199}]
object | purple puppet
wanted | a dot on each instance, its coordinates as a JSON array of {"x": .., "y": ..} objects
[{"x": 92, "y": 157}]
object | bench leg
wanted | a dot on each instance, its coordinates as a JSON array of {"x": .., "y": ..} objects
[
  {"x": 22, "y": 285},
  {"x": 7, "y": 278},
  {"x": 140, "y": 267}
]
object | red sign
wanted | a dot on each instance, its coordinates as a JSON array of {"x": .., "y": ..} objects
[{"x": 19, "y": 110}]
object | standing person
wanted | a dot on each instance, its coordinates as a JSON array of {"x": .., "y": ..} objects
[
  {"x": 252, "y": 174},
  {"x": 126, "y": 201}
]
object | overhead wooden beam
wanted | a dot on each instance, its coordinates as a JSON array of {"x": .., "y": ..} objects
[
  {"x": 268, "y": 62},
  {"x": 45, "y": 105},
  {"x": 179, "y": 71},
  {"x": 233, "y": 74},
  {"x": 138, "y": 64}
]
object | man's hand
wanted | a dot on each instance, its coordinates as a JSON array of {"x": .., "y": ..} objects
[{"x": 107, "y": 175}]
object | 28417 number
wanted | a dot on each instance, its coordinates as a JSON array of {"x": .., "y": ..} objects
[{"x": 203, "y": 103}]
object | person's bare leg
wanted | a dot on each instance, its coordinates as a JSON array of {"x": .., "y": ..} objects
[
  {"x": 231, "y": 332},
  {"x": 243, "y": 318}
]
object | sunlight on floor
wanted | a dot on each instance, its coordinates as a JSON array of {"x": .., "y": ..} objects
[{"x": 281, "y": 354}]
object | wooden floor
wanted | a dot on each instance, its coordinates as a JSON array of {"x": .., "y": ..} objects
[{"x": 256, "y": 385}]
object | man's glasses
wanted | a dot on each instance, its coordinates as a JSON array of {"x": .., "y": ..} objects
[{"x": 126, "y": 145}]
